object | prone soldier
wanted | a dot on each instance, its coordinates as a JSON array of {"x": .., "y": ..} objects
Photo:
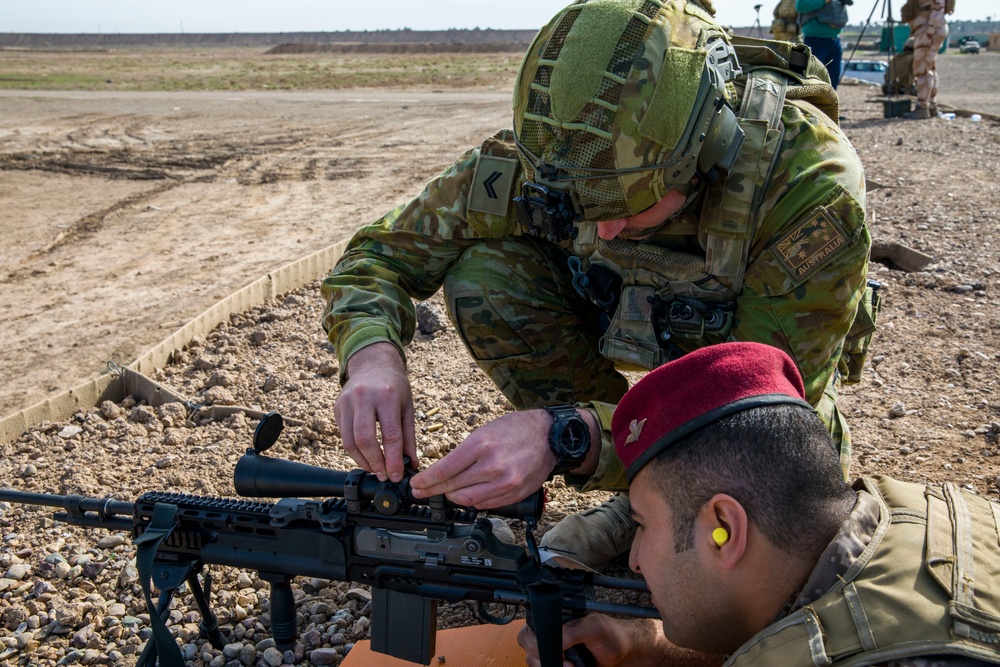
[
  {"x": 899, "y": 76},
  {"x": 757, "y": 551}
]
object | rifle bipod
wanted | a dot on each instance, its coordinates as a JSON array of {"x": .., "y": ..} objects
[{"x": 169, "y": 578}]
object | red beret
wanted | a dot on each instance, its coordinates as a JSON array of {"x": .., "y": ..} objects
[{"x": 684, "y": 395}]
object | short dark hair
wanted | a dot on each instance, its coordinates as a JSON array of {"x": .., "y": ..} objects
[{"x": 778, "y": 461}]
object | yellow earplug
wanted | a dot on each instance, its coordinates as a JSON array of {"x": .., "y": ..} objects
[{"x": 720, "y": 536}]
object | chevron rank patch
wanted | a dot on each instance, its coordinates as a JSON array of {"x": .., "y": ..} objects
[
  {"x": 807, "y": 247},
  {"x": 492, "y": 184}
]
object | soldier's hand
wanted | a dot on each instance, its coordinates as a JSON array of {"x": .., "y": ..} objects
[
  {"x": 502, "y": 462},
  {"x": 377, "y": 392},
  {"x": 612, "y": 641},
  {"x": 619, "y": 641}
]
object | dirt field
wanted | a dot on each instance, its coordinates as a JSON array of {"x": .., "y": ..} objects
[{"x": 127, "y": 214}]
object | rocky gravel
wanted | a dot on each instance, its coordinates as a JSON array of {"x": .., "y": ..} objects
[{"x": 72, "y": 595}]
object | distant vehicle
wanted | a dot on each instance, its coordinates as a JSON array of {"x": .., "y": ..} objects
[
  {"x": 872, "y": 71},
  {"x": 969, "y": 46}
]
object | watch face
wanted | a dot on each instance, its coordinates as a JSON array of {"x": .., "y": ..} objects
[{"x": 575, "y": 438}]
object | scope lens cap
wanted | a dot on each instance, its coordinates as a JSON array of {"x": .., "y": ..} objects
[{"x": 267, "y": 431}]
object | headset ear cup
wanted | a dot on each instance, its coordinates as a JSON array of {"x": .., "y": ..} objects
[{"x": 723, "y": 141}]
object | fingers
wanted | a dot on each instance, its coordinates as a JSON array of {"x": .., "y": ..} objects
[
  {"x": 352, "y": 430},
  {"x": 398, "y": 439},
  {"x": 475, "y": 475},
  {"x": 527, "y": 640},
  {"x": 462, "y": 478},
  {"x": 360, "y": 423},
  {"x": 501, "y": 463},
  {"x": 376, "y": 401}
]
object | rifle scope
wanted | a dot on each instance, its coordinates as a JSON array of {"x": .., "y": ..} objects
[{"x": 258, "y": 476}]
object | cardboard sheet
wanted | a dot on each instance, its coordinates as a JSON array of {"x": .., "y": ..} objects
[{"x": 473, "y": 646}]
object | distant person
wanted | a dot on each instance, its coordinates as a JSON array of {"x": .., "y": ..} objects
[
  {"x": 758, "y": 553},
  {"x": 785, "y": 27},
  {"x": 930, "y": 29},
  {"x": 820, "y": 22}
]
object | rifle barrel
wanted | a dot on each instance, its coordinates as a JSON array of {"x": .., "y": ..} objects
[
  {"x": 79, "y": 510},
  {"x": 104, "y": 506}
]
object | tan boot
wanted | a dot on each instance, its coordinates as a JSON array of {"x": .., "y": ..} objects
[
  {"x": 919, "y": 113},
  {"x": 594, "y": 537}
]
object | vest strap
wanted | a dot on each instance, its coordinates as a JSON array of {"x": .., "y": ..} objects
[
  {"x": 817, "y": 649},
  {"x": 728, "y": 216}
]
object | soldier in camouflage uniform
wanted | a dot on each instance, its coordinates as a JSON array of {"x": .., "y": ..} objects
[
  {"x": 930, "y": 29},
  {"x": 785, "y": 26},
  {"x": 756, "y": 550},
  {"x": 656, "y": 196},
  {"x": 899, "y": 76}
]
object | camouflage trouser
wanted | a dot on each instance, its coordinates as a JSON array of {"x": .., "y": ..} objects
[
  {"x": 929, "y": 32},
  {"x": 513, "y": 304},
  {"x": 835, "y": 423}
]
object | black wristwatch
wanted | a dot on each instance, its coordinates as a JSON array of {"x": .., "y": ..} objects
[{"x": 569, "y": 438}]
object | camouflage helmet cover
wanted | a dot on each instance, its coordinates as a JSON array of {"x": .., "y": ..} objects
[{"x": 621, "y": 100}]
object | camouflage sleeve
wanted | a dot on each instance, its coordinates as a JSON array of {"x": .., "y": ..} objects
[
  {"x": 404, "y": 256},
  {"x": 610, "y": 473},
  {"x": 809, "y": 263}
]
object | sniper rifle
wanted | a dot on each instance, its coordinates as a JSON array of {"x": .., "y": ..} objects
[{"x": 343, "y": 526}]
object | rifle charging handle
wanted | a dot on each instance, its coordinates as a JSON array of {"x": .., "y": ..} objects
[{"x": 477, "y": 539}]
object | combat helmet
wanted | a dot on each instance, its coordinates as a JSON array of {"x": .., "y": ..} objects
[{"x": 617, "y": 102}]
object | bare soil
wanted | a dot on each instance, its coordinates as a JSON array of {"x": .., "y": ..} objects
[{"x": 125, "y": 215}]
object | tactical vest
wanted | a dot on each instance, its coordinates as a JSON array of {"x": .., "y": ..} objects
[
  {"x": 671, "y": 302},
  {"x": 927, "y": 584},
  {"x": 785, "y": 9},
  {"x": 833, "y": 14}
]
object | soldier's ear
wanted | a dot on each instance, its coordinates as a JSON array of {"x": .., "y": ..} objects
[{"x": 721, "y": 531}]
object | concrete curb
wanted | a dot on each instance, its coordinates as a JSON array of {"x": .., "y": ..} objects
[{"x": 118, "y": 383}]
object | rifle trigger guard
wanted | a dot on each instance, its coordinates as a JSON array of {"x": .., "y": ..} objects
[{"x": 510, "y": 611}]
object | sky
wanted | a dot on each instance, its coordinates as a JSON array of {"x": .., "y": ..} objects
[{"x": 173, "y": 16}]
